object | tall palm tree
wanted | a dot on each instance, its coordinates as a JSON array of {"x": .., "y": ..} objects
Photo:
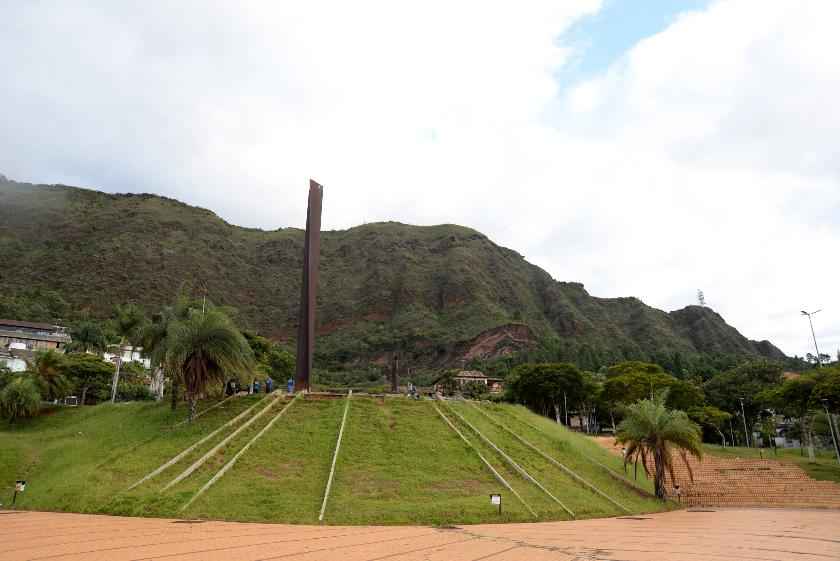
[
  {"x": 205, "y": 348},
  {"x": 48, "y": 372},
  {"x": 155, "y": 339},
  {"x": 129, "y": 324},
  {"x": 652, "y": 431}
]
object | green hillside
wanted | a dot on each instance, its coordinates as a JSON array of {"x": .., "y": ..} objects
[
  {"x": 439, "y": 295},
  {"x": 400, "y": 462}
]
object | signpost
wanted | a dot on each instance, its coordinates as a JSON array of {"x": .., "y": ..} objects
[
  {"x": 20, "y": 486},
  {"x": 496, "y": 500}
]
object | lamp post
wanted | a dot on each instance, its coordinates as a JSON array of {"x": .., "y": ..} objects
[
  {"x": 811, "y": 322},
  {"x": 744, "y": 417},
  {"x": 116, "y": 380},
  {"x": 831, "y": 428}
]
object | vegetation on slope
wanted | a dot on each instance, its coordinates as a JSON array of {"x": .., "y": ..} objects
[
  {"x": 399, "y": 463},
  {"x": 422, "y": 292}
]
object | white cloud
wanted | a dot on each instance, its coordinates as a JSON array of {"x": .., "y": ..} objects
[{"x": 706, "y": 157}]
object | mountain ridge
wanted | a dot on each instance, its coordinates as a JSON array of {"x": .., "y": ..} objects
[{"x": 386, "y": 288}]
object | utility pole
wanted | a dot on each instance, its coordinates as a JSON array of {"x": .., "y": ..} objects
[
  {"x": 810, "y": 321},
  {"x": 831, "y": 428},
  {"x": 116, "y": 380},
  {"x": 744, "y": 416}
]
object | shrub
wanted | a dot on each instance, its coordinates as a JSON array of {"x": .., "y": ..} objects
[
  {"x": 20, "y": 398},
  {"x": 133, "y": 391},
  {"x": 474, "y": 390}
]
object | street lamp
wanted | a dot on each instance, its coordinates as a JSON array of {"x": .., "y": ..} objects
[
  {"x": 809, "y": 314},
  {"x": 116, "y": 380},
  {"x": 744, "y": 417},
  {"x": 831, "y": 429}
]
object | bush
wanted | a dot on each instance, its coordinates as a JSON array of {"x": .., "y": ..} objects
[
  {"x": 133, "y": 391},
  {"x": 126, "y": 391},
  {"x": 475, "y": 390},
  {"x": 20, "y": 398}
]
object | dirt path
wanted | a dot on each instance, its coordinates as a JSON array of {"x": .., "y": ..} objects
[{"x": 699, "y": 535}]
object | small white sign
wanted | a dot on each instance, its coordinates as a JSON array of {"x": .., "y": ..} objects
[
  {"x": 20, "y": 486},
  {"x": 495, "y": 499}
]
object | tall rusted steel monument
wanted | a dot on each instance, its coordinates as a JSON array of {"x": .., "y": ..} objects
[{"x": 309, "y": 287}]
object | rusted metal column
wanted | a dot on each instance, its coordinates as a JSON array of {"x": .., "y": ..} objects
[
  {"x": 309, "y": 287},
  {"x": 395, "y": 374}
]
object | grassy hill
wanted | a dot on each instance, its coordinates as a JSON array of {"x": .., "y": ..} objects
[
  {"x": 400, "y": 462},
  {"x": 440, "y": 295}
]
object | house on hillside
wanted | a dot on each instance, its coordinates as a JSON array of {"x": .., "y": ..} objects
[
  {"x": 31, "y": 336},
  {"x": 464, "y": 377},
  {"x": 129, "y": 354}
]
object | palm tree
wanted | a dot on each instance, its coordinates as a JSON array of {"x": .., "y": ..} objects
[
  {"x": 651, "y": 430},
  {"x": 155, "y": 340},
  {"x": 204, "y": 348},
  {"x": 20, "y": 398},
  {"x": 129, "y": 324},
  {"x": 48, "y": 372},
  {"x": 88, "y": 336}
]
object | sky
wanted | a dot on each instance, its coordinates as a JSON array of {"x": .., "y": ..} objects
[{"x": 644, "y": 148}]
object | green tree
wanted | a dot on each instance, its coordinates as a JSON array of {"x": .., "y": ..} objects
[
  {"x": 446, "y": 381},
  {"x": 205, "y": 348},
  {"x": 546, "y": 388},
  {"x": 20, "y": 398},
  {"x": 633, "y": 366},
  {"x": 712, "y": 418},
  {"x": 88, "y": 336},
  {"x": 747, "y": 381},
  {"x": 155, "y": 339},
  {"x": 474, "y": 390},
  {"x": 281, "y": 363},
  {"x": 629, "y": 382},
  {"x": 260, "y": 346},
  {"x": 271, "y": 359},
  {"x": 129, "y": 324},
  {"x": 651, "y": 431},
  {"x": 6, "y": 376},
  {"x": 48, "y": 372},
  {"x": 828, "y": 388},
  {"x": 88, "y": 374}
]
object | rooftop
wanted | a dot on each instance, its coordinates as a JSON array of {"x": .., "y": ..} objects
[{"x": 30, "y": 325}]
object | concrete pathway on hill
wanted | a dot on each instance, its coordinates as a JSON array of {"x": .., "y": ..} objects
[{"x": 692, "y": 535}]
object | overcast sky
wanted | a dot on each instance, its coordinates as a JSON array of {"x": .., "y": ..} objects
[{"x": 643, "y": 148}]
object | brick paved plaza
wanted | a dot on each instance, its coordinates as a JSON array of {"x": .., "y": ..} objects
[{"x": 697, "y": 535}]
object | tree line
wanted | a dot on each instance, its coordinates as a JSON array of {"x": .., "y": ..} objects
[
  {"x": 753, "y": 394},
  {"x": 193, "y": 346}
]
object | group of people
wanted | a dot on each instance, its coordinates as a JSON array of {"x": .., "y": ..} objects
[{"x": 232, "y": 387}]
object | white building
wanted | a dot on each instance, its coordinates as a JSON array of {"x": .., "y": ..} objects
[
  {"x": 129, "y": 354},
  {"x": 12, "y": 362}
]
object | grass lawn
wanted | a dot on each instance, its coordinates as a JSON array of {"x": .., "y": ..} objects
[
  {"x": 825, "y": 468},
  {"x": 572, "y": 450},
  {"x": 82, "y": 459},
  {"x": 400, "y": 463},
  {"x": 282, "y": 476}
]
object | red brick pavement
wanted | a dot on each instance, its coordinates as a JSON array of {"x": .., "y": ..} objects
[{"x": 698, "y": 535}]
